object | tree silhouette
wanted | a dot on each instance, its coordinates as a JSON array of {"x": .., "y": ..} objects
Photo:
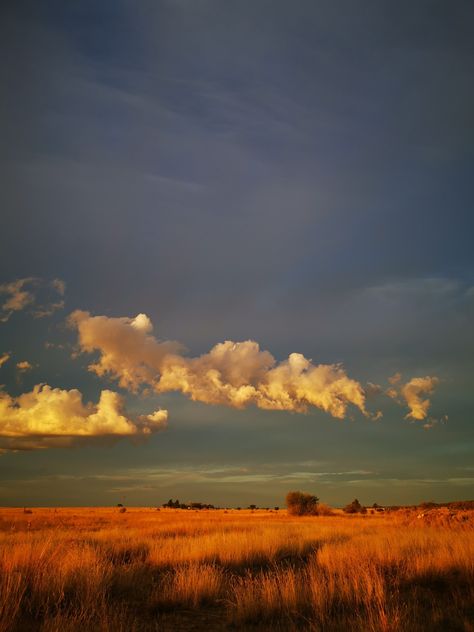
[{"x": 354, "y": 507}]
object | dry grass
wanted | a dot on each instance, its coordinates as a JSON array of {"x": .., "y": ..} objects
[{"x": 101, "y": 570}]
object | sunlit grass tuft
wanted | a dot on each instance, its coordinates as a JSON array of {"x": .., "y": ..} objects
[{"x": 190, "y": 586}]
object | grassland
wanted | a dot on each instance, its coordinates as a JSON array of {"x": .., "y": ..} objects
[{"x": 148, "y": 570}]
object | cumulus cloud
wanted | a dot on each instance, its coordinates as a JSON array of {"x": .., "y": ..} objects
[
  {"x": 413, "y": 393},
  {"x": 4, "y": 358},
  {"x": 234, "y": 374},
  {"x": 24, "y": 366},
  {"x": 128, "y": 351},
  {"x": 38, "y": 295},
  {"x": 52, "y": 417}
]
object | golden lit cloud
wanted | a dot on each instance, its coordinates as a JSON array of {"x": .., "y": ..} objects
[
  {"x": 17, "y": 297},
  {"x": 128, "y": 351},
  {"x": 52, "y": 417},
  {"x": 25, "y": 293},
  {"x": 4, "y": 358},
  {"x": 395, "y": 379},
  {"x": 24, "y": 366},
  {"x": 412, "y": 393},
  {"x": 234, "y": 374}
]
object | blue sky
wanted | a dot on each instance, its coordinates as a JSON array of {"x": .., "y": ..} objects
[{"x": 296, "y": 174}]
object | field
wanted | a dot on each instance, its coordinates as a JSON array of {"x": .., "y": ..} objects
[{"x": 143, "y": 569}]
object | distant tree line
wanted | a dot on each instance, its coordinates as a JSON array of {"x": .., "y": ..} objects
[
  {"x": 175, "y": 504},
  {"x": 304, "y": 504}
]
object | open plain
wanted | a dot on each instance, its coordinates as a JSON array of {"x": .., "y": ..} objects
[{"x": 102, "y": 569}]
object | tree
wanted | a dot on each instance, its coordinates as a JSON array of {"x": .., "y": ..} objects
[
  {"x": 354, "y": 507},
  {"x": 301, "y": 504}
]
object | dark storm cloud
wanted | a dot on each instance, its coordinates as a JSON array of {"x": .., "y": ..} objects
[{"x": 208, "y": 127}]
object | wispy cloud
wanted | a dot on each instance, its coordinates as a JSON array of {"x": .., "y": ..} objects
[
  {"x": 34, "y": 294},
  {"x": 413, "y": 394},
  {"x": 410, "y": 482},
  {"x": 223, "y": 475},
  {"x": 17, "y": 296}
]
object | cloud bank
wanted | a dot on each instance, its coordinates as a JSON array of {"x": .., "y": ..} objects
[
  {"x": 51, "y": 417},
  {"x": 235, "y": 374}
]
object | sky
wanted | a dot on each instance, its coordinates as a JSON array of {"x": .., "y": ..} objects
[{"x": 236, "y": 251}]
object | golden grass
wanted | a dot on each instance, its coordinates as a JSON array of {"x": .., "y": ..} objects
[{"x": 101, "y": 570}]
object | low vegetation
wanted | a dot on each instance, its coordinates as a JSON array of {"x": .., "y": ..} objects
[
  {"x": 102, "y": 570},
  {"x": 302, "y": 504}
]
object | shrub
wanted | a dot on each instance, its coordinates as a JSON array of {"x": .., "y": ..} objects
[
  {"x": 324, "y": 510},
  {"x": 301, "y": 504},
  {"x": 428, "y": 505}
]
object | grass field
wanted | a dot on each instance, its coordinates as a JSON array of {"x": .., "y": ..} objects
[{"x": 143, "y": 569}]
